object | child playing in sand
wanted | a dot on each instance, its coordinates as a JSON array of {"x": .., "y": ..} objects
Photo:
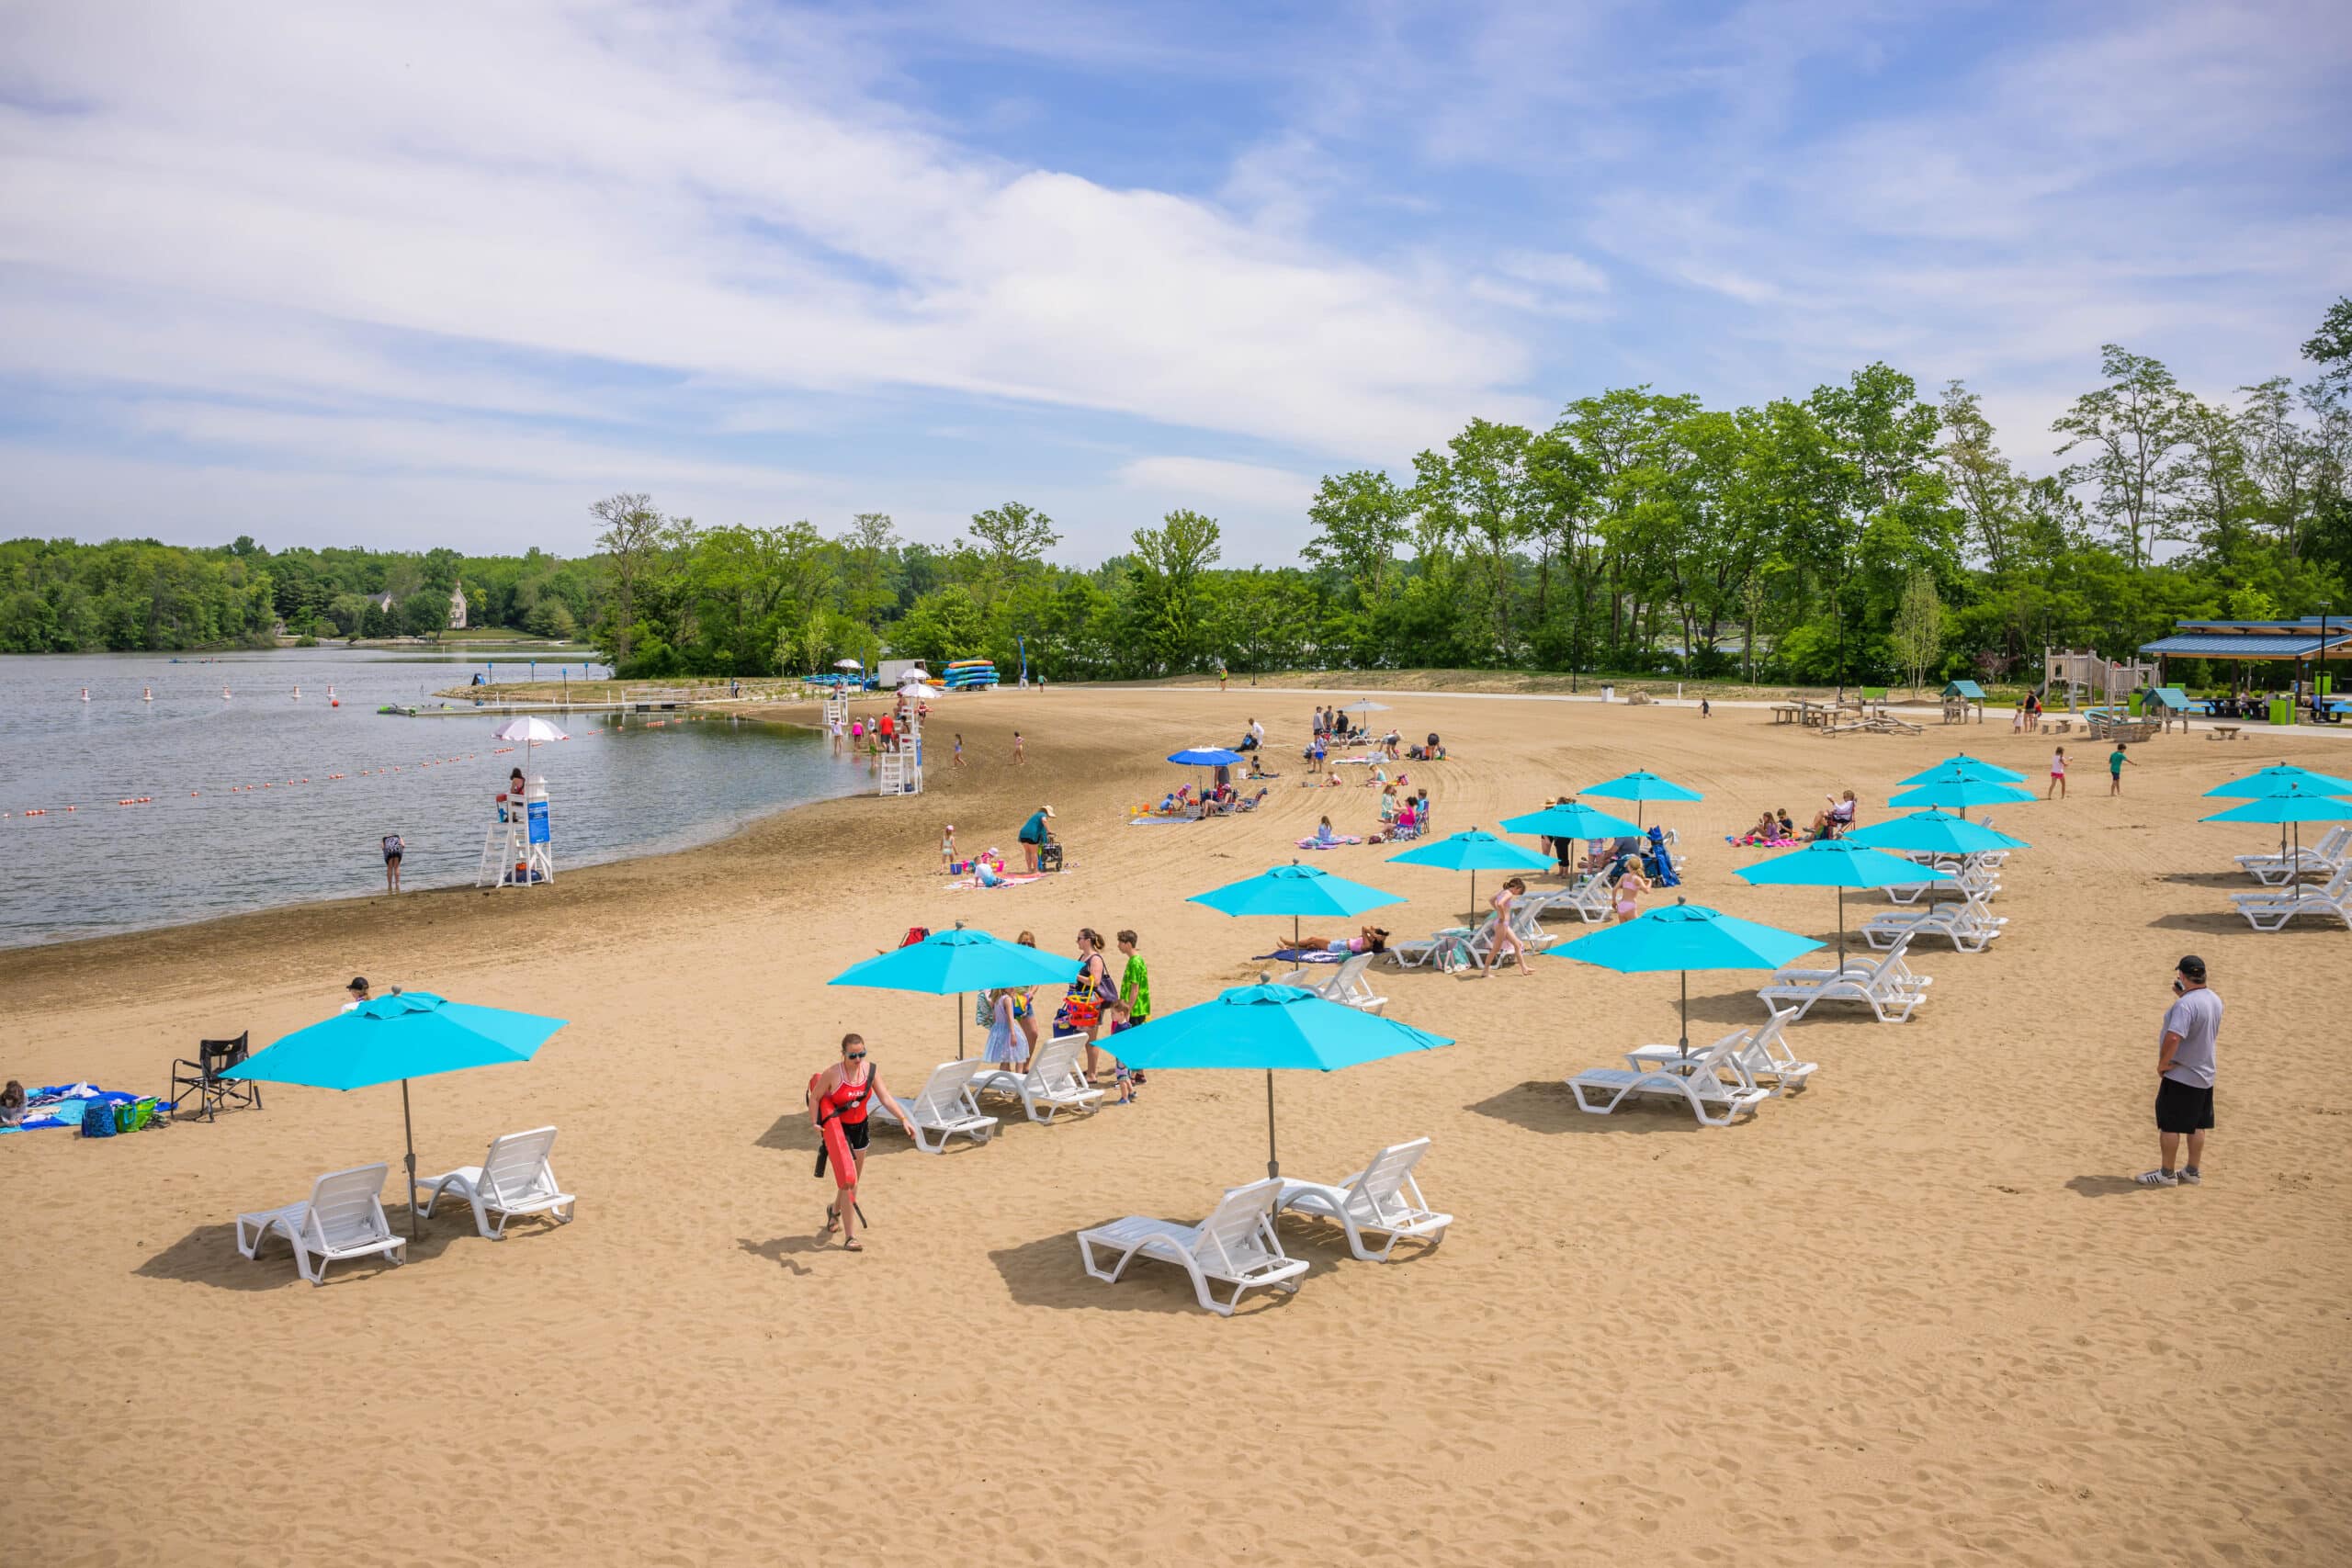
[
  {"x": 959, "y": 750},
  {"x": 1506, "y": 940},
  {"x": 2057, "y": 775},
  {"x": 2116, "y": 762},
  {"x": 947, "y": 847},
  {"x": 1017, "y": 748}
]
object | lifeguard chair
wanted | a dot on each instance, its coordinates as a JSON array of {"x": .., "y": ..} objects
[{"x": 517, "y": 849}]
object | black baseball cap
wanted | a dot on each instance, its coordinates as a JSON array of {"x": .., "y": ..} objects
[{"x": 2192, "y": 966}]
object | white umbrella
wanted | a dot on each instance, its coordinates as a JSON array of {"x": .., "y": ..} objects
[
  {"x": 1367, "y": 706},
  {"x": 914, "y": 689},
  {"x": 847, "y": 664},
  {"x": 530, "y": 729}
]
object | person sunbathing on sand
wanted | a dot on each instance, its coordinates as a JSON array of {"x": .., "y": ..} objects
[{"x": 1368, "y": 939}]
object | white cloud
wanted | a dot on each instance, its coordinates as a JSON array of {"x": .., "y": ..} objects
[
  {"x": 1207, "y": 482},
  {"x": 616, "y": 185},
  {"x": 1553, "y": 269}
]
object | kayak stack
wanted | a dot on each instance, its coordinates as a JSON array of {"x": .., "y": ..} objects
[{"x": 968, "y": 674}]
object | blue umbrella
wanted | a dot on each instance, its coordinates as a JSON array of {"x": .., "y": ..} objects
[
  {"x": 1294, "y": 890},
  {"x": 1932, "y": 832},
  {"x": 952, "y": 963},
  {"x": 2274, "y": 779},
  {"x": 1684, "y": 937},
  {"x": 1642, "y": 787},
  {"x": 1955, "y": 788},
  {"x": 1571, "y": 819},
  {"x": 2294, "y": 802},
  {"x": 1263, "y": 1028},
  {"x": 1973, "y": 767},
  {"x": 1205, "y": 757},
  {"x": 409, "y": 1034},
  {"x": 1474, "y": 851},
  {"x": 1840, "y": 863}
]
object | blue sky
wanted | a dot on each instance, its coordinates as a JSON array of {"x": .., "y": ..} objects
[{"x": 444, "y": 274}]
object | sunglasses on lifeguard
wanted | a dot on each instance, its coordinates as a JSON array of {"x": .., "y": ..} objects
[{"x": 854, "y": 1055}]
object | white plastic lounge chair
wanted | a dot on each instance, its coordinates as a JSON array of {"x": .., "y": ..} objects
[
  {"x": 1455, "y": 947},
  {"x": 1383, "y": 1197},
  {"x": 1342, "y": 983},
  {"x": 1527, "y": 928},
  {"x": 2271, "y": 910},
  {"x": 1712, "y": 1083},
  {"x": 1883, "y": 986},
  {"x": 1589, "y": 900},
  {"x": 1235, "y": 1246},
  {"x": 1054, "y": 1083},
  {"x": 512, "y": 1178},
  {"x": 2327, "y": 855},
  {"x": 345, "y": 1218},
  {"x": 943, "y": 1107},
  {"x": 1763, "y": 1053},
  {"x": 1968, "y": 923},
  {"x": 1970, "y": 875}
]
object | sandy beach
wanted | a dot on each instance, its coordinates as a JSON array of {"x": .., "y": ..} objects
[{"x": 1916, "y": 1314}]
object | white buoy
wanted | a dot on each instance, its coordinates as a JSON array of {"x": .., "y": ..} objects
[
  {"x": 298, "y": 693},
  {"x": 85, "y": 694},
  {"x": 146, "y": 694}
]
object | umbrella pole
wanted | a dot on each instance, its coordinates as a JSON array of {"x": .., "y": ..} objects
[
  {"x": 408, "y": 1126},
  {"x": 959, "y": 1026},
  {"x": 1273, "y": 1165},
  {"x": 1841, "y": 930},
  {"x": 1686, "y": 1014}
]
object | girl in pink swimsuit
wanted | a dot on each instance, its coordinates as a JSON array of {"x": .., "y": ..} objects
[
  {"x": 1506, "y": 940},
  {"x": 1630, "y": 889}
]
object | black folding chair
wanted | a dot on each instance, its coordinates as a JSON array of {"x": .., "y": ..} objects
[{"x": 202, "y": 1079}]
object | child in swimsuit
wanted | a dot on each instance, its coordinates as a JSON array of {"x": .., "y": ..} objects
[
  {"x": 1630, "y": 888},
  {"x": 1506, "y": 940}
]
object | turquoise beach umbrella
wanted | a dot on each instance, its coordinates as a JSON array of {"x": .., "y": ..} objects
[
  {"x": 1294, "y": 890},
  {"x": 1474, "y": 850},
  {"x": 1976, "y": 768},
  {"x": 2277, "y": 778},
  {"x": 952, "y": 963},
  {"x": 412, "y": 1034},
  {"x": 1953, "y": 787},
  {"x": 1933, "y": 832},
  {"x": 2294, "y": 803},
  {"x": 1571, "y": 819},
  {"x": 1265, "y": 1027},
  {"x": 2274, "y": 779},
  {"x": 1683, "y": 937},
  {"x": 1840, "y": 863},
  {"x": 1642, "y": 787}
]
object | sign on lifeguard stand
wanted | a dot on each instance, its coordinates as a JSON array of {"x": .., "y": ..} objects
[{"x": 516, "y": 850}]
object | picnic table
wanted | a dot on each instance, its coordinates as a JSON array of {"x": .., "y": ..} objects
[{"x": 1786, "y": 713}]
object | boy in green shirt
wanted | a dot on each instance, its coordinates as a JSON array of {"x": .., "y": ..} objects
[
  {"x": 1134, "y": 1008},
  {"x": 2115, "y": 761}
]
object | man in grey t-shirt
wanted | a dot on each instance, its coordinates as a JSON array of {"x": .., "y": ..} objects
[{"x": 2185, "y": 1074}]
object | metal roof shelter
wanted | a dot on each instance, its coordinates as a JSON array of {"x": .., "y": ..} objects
[{"x": 2255, "y": 639}]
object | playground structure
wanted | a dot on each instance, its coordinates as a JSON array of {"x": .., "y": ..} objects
[
  {"x": 2088, "y": 679},
  {"x": 1958, "y": 697}
]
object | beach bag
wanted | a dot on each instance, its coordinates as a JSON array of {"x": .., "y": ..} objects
[{"x": 98, "y": 1120}]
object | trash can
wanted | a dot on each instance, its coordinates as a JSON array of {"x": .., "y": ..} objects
[
  {"x": 2282, "y": 710},
  {"x": 2138, "y": 704},
  {"x": 1608, "y": 693}
]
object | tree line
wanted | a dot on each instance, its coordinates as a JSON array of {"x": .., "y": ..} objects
[{"x": 1863, "y": 532}]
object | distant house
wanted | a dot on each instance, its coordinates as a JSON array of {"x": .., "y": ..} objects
[
  {"x": 458, "y": 607},
  {"x": 381, "y": 601}
]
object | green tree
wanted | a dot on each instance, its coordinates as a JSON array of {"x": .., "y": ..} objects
[
  {"x": 2129, "y": 428},
  {"x": 1169, "y": 563},
  {"x": 1918, "y": 630},
  {"x": 1010, "y": 541}
]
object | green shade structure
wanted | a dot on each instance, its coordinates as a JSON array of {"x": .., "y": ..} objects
[
  {"x": 1840, "y": 863},
  {"x": 2293, "y": 803},
  {"x": 413, "y": 1034},
  {"x": 1268, "y": 1029},
  {"x": 1642, "y": 787},
  {"x": 1952, "y": 787},
  {"x": 1683, "y": 937},
  {"x": 1474, "y": 850},
  {"x": 1572, "y": 819},
  {"x": 1977, "y": 768},
  {"x": 1933, "y": 832},
  {"x": 952, "y": 963},
  {"x": 1294, "y": 890}
]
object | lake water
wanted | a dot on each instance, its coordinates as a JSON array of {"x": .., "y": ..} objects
[{"x": 203, "y": 845}]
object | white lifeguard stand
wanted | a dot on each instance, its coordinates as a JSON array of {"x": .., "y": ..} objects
[
  {"x": 901, "y": 771},
  {"x": 516, "y": 851}
]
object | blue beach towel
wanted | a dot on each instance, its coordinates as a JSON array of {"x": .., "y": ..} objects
[{"x": 62, "y": 1105}]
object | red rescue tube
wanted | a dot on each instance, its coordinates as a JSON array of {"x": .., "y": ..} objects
[{"x": 838, "y": 1153}]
